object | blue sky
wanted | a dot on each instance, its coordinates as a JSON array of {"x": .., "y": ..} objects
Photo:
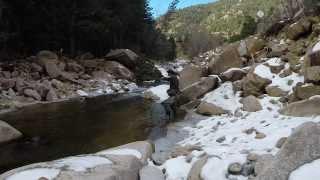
[{"x": 160, "y": 6}]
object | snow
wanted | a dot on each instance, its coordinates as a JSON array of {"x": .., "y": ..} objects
[
  {"x": 307, "y": 171},
  {"x": 238, "y": 144},
  {"x": 82, "y": 93},
  {"x": 160, "y": 91},
  {"x": 316, "y": 47},
  {"x": 162, "y": 70},
  {"x": 130, "y": 152},
  {"x": 263, "y": 71},
  {"x": 35, "y": 174},
  {"x": 81, "y": 163},
  {"x": 275, "y": 62},
  {"x": 177, "y": 168},
  {"x": 224, "y": 97},
  {"x": 283, "y": 83}
]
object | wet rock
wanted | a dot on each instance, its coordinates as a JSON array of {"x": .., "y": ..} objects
[
  {"x": 235, "y": 169},
  {"x": 302, "y": 147},
  {"x": 195, "y": 172},
  {"x": 36, "y": 68},
  {"x": 33, "y": 94},
  {"x": 252, "y": 157},
  {"x": 305, "y": 108},
  {"x": 151, "y": 172},
  {"x": 230, "y": 58},
  {"x": 8, "y": 133},
  {"x": 251, "y": 104}
]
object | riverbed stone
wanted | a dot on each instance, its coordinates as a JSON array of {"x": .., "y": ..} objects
[
  {"x": 189, "y": 75},
  {"x": 8, "y": 133},
  {"x": 235, "y": 168},
  {"x": 151, "y": 172}
]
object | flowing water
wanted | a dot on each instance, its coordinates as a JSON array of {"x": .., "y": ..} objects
[{"x": 74, "y": 127}]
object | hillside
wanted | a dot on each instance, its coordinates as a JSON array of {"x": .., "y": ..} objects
[{"x": 224, "y": 17}]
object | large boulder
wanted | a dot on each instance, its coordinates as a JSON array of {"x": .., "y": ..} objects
[
  {"x": 123, "y": 163},
  {"x": 302, "y": 147},
  {"x": 220, "y": 101},
  {"x": 308, "y": 107},
  {"x": 198, "y": 89},
  {"x": 8, "y": 133},
  {"x": 255, "y": 44},
  {"x": 190, "y": 74},
  {"x": 124, "y": 56},
  {"x": 302, "y": 92},
  {"x": 230, "y": 58},
  {"x": 49, "y": 60},
  {"x": 257, "y": 80},
  {"x": 298, "y": 29},
  {"x": 151, "y": 172},
  {"x": 196, "y": 169},
  {"x": 118, "y": 70},
  {"x": 311, "y": 66},
  {"x": 233, "y": 74}
]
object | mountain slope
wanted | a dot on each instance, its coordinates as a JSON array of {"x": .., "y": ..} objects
[{"x": 225, "y": 17}]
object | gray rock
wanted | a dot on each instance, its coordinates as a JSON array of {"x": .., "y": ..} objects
[
  {"x": 221, "y": 139},
  {"x": 281, "y": 141},
  {"x": 33, "y": 94},
  {"x": 262, "y": 162},
  {"x": 235, "y": 169},
  {"x": 195, "y": 172},
  {"x": 302, "y": 147},
  {"x": 124, "y": 56},
  {"x": 190, "y": 75},
  {"x": 233, "y": 74},
  {"x": 8, "y": 133},
  {"x": 251, "y": 104},
  {"x": 247, "y": 169},
  {"x": 151, "y": 172},
  {"x": 209, "y": 109},
  {"x": 308, "y": 107},
  {"x": 230, "y": 58}
]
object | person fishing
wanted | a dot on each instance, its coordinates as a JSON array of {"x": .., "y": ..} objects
[{"x": 174, "y": 90}]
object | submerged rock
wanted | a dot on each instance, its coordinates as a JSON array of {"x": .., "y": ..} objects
[{"x": 8, "y": 133}]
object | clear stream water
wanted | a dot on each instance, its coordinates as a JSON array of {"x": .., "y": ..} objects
[{"x": 56, "y": 130}]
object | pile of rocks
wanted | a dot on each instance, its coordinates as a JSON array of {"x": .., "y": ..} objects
[{"x": 49, "y": 77}]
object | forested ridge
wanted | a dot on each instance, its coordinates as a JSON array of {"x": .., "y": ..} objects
[{"x": 77, "y": 26}]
